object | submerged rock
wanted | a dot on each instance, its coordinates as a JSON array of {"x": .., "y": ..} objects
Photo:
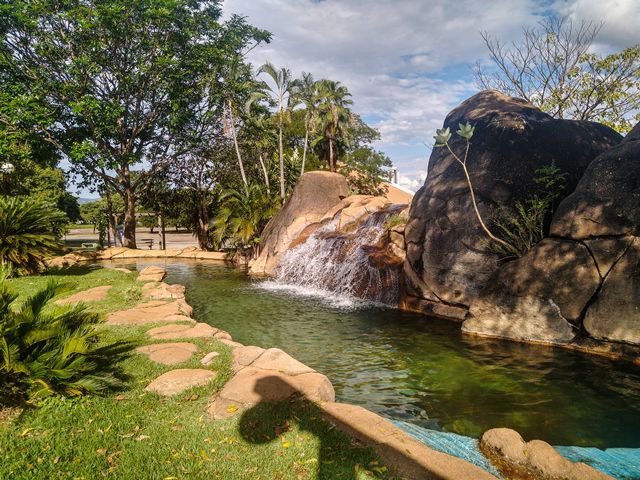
[
  {"x": 447, "y": 257},
  {"x": 520, "y": 460}
]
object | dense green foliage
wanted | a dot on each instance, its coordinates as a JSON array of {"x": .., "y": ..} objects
[
  {"x": 46, "y": 350},
  {"x": 29, "y": 232},
  {"x": 242, "y": 216}
]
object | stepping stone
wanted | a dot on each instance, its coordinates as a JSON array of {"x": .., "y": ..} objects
[
  {"x": 177, "y": 381},
  {"x": 120, "y": 269},
  {"x": 222, "y": 335},
  {"x": 230, "y": 343},
  {"x": 253, "y": 385},
  {"x": 151, "y": 312},
  {"x": 162, "y": 291},
  {"x": 209, "y": 358},
  {"x": 276, "y": 359},
  {"x": 244, "y": 356},
  {"x": 167, "y": 332},
  {"x": 152, "y": 274},
  {"x": 168, "y": 353},
  {"x": 95, "y": 294}
]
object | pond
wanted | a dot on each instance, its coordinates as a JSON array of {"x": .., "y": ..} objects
[{"x": 423, "y": 370}]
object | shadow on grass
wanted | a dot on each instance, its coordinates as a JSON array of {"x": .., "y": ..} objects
[{"x": 268, "y": 420}]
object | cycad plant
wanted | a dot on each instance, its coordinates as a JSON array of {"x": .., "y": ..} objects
[
  {"x": 29, "y": 231},
  {"x": 46, "y": 349},
  {"x": 242, "y": 216}
]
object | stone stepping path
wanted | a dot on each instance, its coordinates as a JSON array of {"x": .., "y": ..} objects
[
  {"x": 177, "y": 381},
  {"x": 152, "y": 274},
  {"x": 152, "y": 312},
  {"x": 268, "y": 376},
  {"x": 169, "y": 353},
  {"x": 170, "y": 332},
  {"x": 95, "y": 294},
  {"x": 162, "y": 291}
]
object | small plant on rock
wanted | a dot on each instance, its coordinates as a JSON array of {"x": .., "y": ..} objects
[{"x": 524, "y": 225}]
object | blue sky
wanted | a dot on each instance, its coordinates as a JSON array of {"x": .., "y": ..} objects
[{"x": 409, "y": 62}]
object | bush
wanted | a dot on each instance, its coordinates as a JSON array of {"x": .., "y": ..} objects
[
  {"x": 29, "y": 232},
  {"x": 527, "y": 223},
  {"x": 45, "y": 349}
]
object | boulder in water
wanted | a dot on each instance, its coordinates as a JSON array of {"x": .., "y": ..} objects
[
  {"x": 315, "y": 193},
  {"x": 447, "y": 258}
]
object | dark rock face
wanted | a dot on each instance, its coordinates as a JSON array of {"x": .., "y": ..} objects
[
  {"x": 591, "y": 268},
  {"x": 447, "y": 260}
]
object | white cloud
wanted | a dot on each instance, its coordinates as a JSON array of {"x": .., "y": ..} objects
[{"x": 406, "y": 62}]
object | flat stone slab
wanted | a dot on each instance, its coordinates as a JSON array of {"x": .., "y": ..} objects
[
  {"x": 162, "y": 291},
  {"x": 95, "y": 294},
  {"x": 209, "y": 358},
  {"x": 252, "y": 385},
  {"x": 278, "y": 360},
  {"x": 151, "y": 312},
  {"x": 168, "y": 353},
  {"x": 168, "y": 332},
  {"x": 152, "y": 274},
  {"x": 177, "y": 381},
  {"x": 403, "y": 454},
  {"x": 245, "y": 356}
]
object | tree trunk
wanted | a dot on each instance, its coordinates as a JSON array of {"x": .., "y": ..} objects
[
  {"x": 203, "y": 224},
  {"x": 331, "y": 167},
  {"x": 304, "y": 150},
  {"x": 129, "y": 218},
  {"x": 110, "y": 218},
  {"x": 235, "y": 143},
  {"x": 282, "y": 188},
  {"x": 264, "y": 171}
]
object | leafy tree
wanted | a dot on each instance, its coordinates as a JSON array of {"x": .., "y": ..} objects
[
  {"x": 306, "y": 92},
  {"x": 29, "y": 232},
  {"x": 119, "y": 82},
  {"x": 552, "y": 67},
  {"x": 365, "y": 171},
  {"x": 281, "y": 94},
  {"x": 47, "y": 350}
]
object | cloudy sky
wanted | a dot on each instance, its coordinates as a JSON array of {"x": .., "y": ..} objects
[{"x": 409, "y": 62}]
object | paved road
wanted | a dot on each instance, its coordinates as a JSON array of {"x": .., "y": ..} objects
[{"x": 181, "y": 239}]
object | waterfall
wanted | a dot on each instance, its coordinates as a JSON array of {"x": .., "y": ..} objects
[{"x": 348, "y": 265}]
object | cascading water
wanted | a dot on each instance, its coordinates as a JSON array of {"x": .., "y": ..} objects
[{"x": 350, "y": 264}]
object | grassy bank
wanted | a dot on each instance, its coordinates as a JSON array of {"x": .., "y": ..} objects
[{"x": 133, "y": 434}]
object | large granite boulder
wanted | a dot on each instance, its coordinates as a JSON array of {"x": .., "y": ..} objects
[
  {"x": 448, "y": 263},
  {"x": 589, "y": 270},
  {"x": 315, "y": 193}
]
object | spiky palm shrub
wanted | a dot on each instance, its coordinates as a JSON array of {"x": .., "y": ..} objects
[
  {"x": 242, "y": 216},
  {"x": 46, "y": 349},
  {"x": 29, "y": 231}
]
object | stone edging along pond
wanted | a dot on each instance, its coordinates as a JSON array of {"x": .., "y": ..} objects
[{"x": 271, "y": 375}]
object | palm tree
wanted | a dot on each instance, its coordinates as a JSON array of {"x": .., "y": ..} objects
[
  {"x": 234, "y": 82},
  {"x": 280, "y": 93},
  {"x": 307, "y": 93},
  {"x": 333, "y": 116}
]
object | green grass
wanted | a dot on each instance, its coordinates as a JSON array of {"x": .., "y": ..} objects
[
  {"x": 83, "y": 226},
  {"x": 125, "y": 292},
  {"x": 133, "y": 434}
]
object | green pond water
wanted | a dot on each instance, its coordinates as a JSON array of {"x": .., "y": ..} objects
[{"x": 423, "y": 370}]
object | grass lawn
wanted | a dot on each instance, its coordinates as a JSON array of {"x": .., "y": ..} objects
[
  {"x": 133, "y": 434},
  {"x": 83, "y": 226}
]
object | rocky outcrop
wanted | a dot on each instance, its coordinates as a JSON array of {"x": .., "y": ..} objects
[
  {"x": 585, "y": 279},
  {"x": 520, "y": 460},
  {"x": 314, "y": 195},
  {"x": 448, "y": 264}
]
